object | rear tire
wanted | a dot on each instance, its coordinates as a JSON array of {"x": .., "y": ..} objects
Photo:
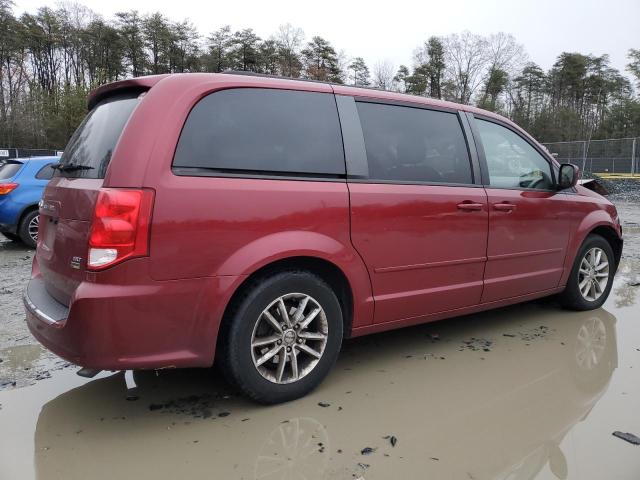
[
  {"x": 588, "y": 287},
  {"x": 26, "y": 231},
  {"x": 283, "y": 336}
]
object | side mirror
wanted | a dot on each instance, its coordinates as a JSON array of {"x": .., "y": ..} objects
[{"x": 568, "y": 176}]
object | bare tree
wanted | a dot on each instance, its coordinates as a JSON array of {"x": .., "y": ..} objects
[
  {"x": 74, "y": 18},
  {"x": 50, "y": 59},
  {"x": 343, "y": 66},
  {"x": 13, "y": 70},
  {"x": 289, "y": 40},
  {"x": 383, "y": 74},
  {"x": 466, "y": 60},
  {"x": 505, "y": 53}
]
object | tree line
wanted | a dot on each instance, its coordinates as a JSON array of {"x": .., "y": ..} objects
[{"x": 51, "y": 59}]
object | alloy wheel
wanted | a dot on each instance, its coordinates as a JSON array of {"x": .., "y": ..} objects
[
  {"x": 33, "y": 228},
  {"x": 593, "y": 275},
  {"x": 289, "y": 338}
]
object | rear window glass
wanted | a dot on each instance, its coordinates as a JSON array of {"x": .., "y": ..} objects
[
  {"x": 408, "y": 144},
  {"x": 8, "y": 170},
  {"x": 89, "y": 151},
  {"x": 263, "y": 131}
]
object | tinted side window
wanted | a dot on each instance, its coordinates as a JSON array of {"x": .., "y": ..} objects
[
  {"x": 414, "y": 144},
  {"x": 46, "y": 172},
  {"x": 511, "y": 160},
  {"x": 263, "y": 131}
]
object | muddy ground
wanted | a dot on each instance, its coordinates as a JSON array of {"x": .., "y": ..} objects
[{"x": 528, "y": 391}]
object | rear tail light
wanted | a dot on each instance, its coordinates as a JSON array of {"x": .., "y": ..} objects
[
  {"x": 6, "y": 188},
  {"x": 120, "y": 227}
]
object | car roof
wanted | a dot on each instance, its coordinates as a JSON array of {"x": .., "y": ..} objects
[
  {"x": 47, "y": 159},
  {"x": 196, "y": 82},
  {"x": 245, "y": 78}
]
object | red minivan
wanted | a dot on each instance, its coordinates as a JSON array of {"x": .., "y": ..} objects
[{"x": 256, "y": 222}]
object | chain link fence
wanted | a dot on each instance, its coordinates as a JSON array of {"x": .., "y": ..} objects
[
  {"x": 620, "y": 155},
  {"x": 9, "y": 153}
]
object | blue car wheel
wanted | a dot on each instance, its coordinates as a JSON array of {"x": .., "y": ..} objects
[{"x": 28, "y": 230}]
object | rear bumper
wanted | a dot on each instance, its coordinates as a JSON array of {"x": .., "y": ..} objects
[{"x": 139, "y": 326}]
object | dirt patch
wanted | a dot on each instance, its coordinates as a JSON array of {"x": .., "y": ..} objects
[{"x": 15, "y": 269}]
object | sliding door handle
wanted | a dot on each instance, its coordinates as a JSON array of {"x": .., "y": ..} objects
[
  {"x": 504, "y": 207},
  {"x": 470, "y": 206}
]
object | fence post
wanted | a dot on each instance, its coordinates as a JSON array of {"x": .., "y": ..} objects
[
  {"x": 584, "y": 155},
  {"x": 633, "y": 156}
]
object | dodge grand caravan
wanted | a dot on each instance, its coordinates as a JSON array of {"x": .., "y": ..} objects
[{"x": 257, "y": 222}]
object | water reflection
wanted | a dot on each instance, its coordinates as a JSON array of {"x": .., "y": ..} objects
[
  {"x": 297, "y": 448},
  {"x": 628, "y": 285},
  {"x": 457, "y": 413}
]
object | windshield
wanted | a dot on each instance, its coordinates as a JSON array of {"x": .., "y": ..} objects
[{"x": 89, "y": 151}]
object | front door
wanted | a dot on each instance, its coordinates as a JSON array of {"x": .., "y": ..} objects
[{"x": 529, "y": 221}]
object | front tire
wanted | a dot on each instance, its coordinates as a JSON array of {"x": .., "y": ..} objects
[
  {"x": 591, "y": 277},
  {"x": 283, "y": 336}
]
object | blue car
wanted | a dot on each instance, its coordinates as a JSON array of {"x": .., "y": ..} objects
[{"x": 22, "y": 181}]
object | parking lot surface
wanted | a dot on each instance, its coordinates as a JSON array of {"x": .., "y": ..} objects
[{"x": 523, "y": 392}]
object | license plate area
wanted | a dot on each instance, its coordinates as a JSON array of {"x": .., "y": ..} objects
[{"x": 47, "y": 229}]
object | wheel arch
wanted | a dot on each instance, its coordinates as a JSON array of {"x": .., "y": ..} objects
[
  {"x": 331, "y": 273},
  {"x": 597, "y": 222},
  {"x": 24, "y": 212},
  {"x": 611, "y": 236}
]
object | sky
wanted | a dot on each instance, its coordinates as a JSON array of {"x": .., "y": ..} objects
[{"x": 391, "y": 31}]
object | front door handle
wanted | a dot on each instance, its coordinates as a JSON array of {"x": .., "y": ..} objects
[
  {"x": 470, "y": 206},
  {"x": 504, "y": 207}
]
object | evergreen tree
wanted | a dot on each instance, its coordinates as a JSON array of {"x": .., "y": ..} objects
[
  {"x": 219, "y": 45},
  {"x": 400, "y": 78},
  {"x": 130, "y": 27},
  {"x": 321, "y": 61},
  {"x": 435, "y": 66},
  {"x": 244, "y": 50},
  {"x": 50, "y": 59},
  {"x": 359, "y": 72}
]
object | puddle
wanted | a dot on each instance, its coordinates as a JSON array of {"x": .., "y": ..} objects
[
  {"x": 24, "y": 365},
  {"x": 537, "y": 396}
]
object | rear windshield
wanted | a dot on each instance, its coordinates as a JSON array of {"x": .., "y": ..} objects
[
  {"x": 92, "y": 144},
  {"x": 8, "y": 170}
]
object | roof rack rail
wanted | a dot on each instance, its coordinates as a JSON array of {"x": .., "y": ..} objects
[{"x": 282, "y": 77}]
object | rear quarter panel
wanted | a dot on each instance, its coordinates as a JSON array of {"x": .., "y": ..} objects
[{"x": 204, "y": 226}]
